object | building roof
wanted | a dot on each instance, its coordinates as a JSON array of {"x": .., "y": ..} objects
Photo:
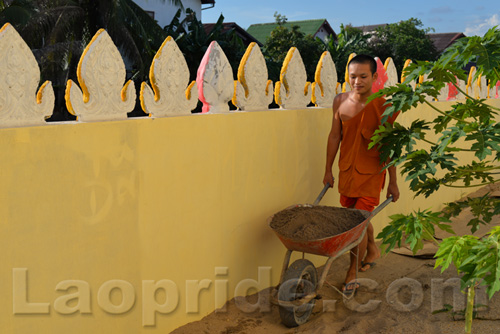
[
  {"x": 444, "y": 40},
  {"x": 310, "y": 27},
  {"x": 242, "y": 33},
  {"x": 203, "y": 2},
  {"x": 370, "y": 28}
]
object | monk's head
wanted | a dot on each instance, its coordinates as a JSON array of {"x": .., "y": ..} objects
[{"x": 362, "y": 73}]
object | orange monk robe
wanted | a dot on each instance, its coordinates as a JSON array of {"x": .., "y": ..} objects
[{"x": 360, "y": 169}]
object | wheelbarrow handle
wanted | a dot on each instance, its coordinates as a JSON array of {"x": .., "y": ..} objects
[
  {"x": 321, "y": 194},
  {"x": 381, "y": 206}
]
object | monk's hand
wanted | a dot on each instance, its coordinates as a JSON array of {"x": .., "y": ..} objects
[
  {"x": 393, "y": 190},
  {"x": 328, "y": 178}
]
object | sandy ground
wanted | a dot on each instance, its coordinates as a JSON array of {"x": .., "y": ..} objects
[{"x": 403, "y": 292}]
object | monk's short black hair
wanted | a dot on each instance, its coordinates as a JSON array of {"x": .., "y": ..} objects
[{"x": 365, "y": 59}]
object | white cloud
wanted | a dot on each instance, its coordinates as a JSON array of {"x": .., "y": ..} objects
[{"x": 481, "y": 28}]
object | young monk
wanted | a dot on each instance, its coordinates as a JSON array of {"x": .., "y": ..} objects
[{"x": 361, "y": 177}]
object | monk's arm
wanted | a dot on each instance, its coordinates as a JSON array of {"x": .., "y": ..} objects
[
  {"x": 392, "y": 188},
  {"x": 333, "y": 144}
]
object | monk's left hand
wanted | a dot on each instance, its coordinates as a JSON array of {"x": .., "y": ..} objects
[{"x": 393, "y": 190}]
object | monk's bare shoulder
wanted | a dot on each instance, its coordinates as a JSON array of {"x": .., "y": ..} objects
[
  {"x": 339, "y": 100},
  {"x": 342, "y": 97}
]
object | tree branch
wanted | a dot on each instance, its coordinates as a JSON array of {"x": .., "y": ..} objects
[{"x": 445, "y": 114}]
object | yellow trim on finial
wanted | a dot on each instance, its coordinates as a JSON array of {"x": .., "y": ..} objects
[
  {"x": 346, "y": 75},
  {"x": 4, "y": 27},
  {"x": 407, "y": 63},
  {"x": 67, "y": 97},
  {"x": 469, "y": 80},
  {"x": 85, "y": 91},
  {"x": 277, "y": 96},
  {"x": 386, "y": 63},
  {"x": 269, "y": 84},
  {"x": 188, "y": 90},
  {"x": 317, "y": 74},
  {"x": 478, "y": 83},
  {"x": 141, "y": 97},
  {"x": 233, "y": 99},
  {"x": 152, "y": 77},
  {"x": 306, "y": 87},
  {"x": 123, "y": 92},
  {"x": 39, "y": 94},
  {"x": 313, "y": 95},
  {"x": 241, "y": 68},
  {"x": 284, "y": 68}
]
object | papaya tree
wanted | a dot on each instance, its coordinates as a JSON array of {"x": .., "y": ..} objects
[{"x": 468, "y": 126}]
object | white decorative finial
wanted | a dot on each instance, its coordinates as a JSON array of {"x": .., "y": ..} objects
[
  {"x": 169, "y": 77},
  {"x": 325, "y": 85},
  {"x": 253, "y": 90},
  {"x": 392, "y": 73},
  {"x": 293, "y": 90},
  {"x": 413, "y": 84},
  {"x": 20, "y": 104},
  {"x": 215, "y": 80},
  {"x": 421, "y": 80},
  {"x": 101, "y": 73},
  {"x": 481, "y": 87}
]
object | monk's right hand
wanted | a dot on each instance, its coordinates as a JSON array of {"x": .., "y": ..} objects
[{"x": 328, "y": 179}]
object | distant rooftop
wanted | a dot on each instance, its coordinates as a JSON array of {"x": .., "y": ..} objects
[
  {"x": 309, "y": 27},
  {"x": 242, "y": 33},
  {"x": 443, "y": 40}
]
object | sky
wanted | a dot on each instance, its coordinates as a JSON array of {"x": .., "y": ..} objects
[{"x": 469, "y": 17}]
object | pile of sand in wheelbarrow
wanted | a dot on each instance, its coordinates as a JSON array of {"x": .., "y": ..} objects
[{"x": 317, "y": 222}]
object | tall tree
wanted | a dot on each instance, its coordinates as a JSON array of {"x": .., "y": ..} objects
[
  {"x": 282, "y": 39},
  {"x": 349, "y": 40},
  {"x": 402, "y": 41}
]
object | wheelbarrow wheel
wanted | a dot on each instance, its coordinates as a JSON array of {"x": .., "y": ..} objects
[{"x": 300, "y": 280}]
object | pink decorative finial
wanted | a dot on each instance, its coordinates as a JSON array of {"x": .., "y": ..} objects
[
  {"x": 452, "y": 91},
  {"x": 382, "y": 76},
  {"x": 215, "y": 80},
  {"x": 199, "y": 78}
]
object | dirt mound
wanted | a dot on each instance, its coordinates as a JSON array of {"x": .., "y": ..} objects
[{"x": 317, "y": 222}]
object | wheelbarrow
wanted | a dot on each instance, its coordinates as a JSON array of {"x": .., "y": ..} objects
[{"x": 298, "y": 287}]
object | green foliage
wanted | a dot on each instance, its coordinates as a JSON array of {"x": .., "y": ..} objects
[
  {"x": 483, "y": 50},
  {"x": 469, "y": 122},
  {"x": 430, "y": 165},
  {"x": 483, "y": 208},
  {"x": 477, "y": 259},
  {"x": 193, "y": 40},
  {"x": 282, "y": 39},
  {"x": 349, "y": 40},
  {"x": 417, "y": 228},
  {"x": 401, "y": 41}
]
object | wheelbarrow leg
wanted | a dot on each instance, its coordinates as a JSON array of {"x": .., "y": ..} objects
[
  {"x": 286, "y": 262},
  {"x": 326, "y": 269}
]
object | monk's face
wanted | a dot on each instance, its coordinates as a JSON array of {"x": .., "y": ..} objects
[{"x": 361, "y": 78}]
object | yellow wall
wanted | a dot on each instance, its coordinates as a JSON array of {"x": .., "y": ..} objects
[{"x": 153, "y": 199}]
